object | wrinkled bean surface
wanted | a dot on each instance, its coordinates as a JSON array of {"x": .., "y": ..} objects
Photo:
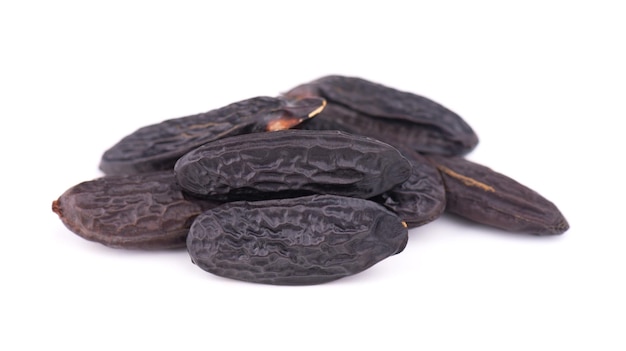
[
  {"x": 399, "y": 118},
  {"x": 421, "y": 198},
  {"x": 482, "y": 195},
  {"x": 292, "y": 163},
  {"x": 306, "y": 240},
  {"x": 158, "y": 146},
  {"x": 143, "y": 211}
]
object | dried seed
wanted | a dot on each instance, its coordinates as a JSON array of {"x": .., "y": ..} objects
[
  {"x": 297, "y": 241},
  {"x": 158, "y": 146},
  {"x": 142, "y": 211},
  {"x": 420, "y": 199},
  {"x": 399, "y": 118},
  {"x": 291, "y": 163},
  {"x": 478, "y": 193}
]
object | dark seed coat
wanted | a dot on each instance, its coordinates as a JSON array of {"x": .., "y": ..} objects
[
  {"x": 420, "y": 199},
  {"x": 142, "y": 211},
  {"x": 292, "y": 163},
  {"x": 399, "y": 118},
  {"x": 482, "y": 195},
  {"x": 157, "y": 147},
  {"x": 297, "y": 241}
]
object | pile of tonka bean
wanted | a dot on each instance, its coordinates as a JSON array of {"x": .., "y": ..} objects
[{"x": 317, "y": 184}]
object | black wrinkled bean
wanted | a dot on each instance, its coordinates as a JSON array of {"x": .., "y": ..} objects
[
  {"x": 297, "y": 241},
  {"x": 157, "y": 147},
  {"x": 420, "y": 199},
  {"x": 399, "y": 118},
  {"x": 292, "y": 163}
]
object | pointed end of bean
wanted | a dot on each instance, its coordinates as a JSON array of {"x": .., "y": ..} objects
[
  {"x": 560, "y": 227},
  {"x": 56, "y": 208}
]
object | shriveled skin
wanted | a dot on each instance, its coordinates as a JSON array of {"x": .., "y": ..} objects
[
  {"x": 362, "y": 107},
  {"x": 297, "y": 241},
  {"x": 482, "y": 195},
  {"x": 292, "y": 163},
  {"x": 143, "y": 211},
  {"x": 420, "y": 199},
  {"x": 158, "y": 146}
]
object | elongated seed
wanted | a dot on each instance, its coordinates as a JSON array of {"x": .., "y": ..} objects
[
  {"x": 297, "y": 241},
  {"x": 482, "y": 195},
  {"x": 399, "y": 118},
  {"x": 157, "y": 147},
  {"x": 292, "y": 163},
  {"x": 141, "y": 211}
]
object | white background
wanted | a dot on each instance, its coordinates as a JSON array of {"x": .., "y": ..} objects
[{"x": 541, "y": 82}]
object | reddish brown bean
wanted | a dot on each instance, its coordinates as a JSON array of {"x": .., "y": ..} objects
[{"x": 142, "y": 211}]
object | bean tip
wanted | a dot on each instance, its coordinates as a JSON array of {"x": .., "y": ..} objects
[{"x": 56, "y": 208}]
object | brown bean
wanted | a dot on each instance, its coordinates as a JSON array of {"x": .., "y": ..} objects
[{"x": 141, "y": 211}]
